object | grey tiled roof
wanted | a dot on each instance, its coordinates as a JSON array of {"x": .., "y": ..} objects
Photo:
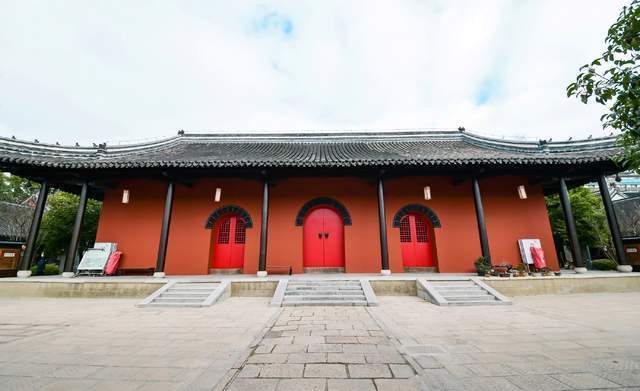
[{"x": 443, "y": 148}]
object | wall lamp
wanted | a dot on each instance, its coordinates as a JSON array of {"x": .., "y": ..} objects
[
  {"x": 125, "y": 196},
  {"x": 522, "y": 192},
  {"x": 427, "y": 193},
  {"x": 218, "y": 194}
]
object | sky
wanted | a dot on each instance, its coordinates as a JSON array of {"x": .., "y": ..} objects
[{"x": 124, "y": 71}]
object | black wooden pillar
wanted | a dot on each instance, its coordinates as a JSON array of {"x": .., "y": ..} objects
[
  {"x": 382, "y": 220},
  {"x": 30, "y": 251},
  {"x": 77, "y": 227},
  {"x": 570, "y": 224},
  {"x": 164, "y": 232},
  {"x": 264, "y": 222},
  {"x": 482, "y": 226},
  {"x": 612, "y": 219}
]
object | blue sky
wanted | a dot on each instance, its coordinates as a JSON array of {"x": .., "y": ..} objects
[{"x": 93, "y": 71}]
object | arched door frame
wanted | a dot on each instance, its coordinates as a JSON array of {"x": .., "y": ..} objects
[
  {"x": 431, "y": 219},
  {"x": 212, "y": 223}
]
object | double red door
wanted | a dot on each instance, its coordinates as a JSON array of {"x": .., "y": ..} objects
[
  {"x": 229, "y": 239},
  {"x": 415, "y": 241},
  {"x": 323, "y": 233}
]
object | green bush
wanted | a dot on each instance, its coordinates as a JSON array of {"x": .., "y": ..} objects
[
  {"x": 604, "y": 264},
  {"x": 50, "y": 269},
  {"x": 483, "y": 264}
]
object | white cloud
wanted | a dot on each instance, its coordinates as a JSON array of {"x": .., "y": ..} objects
[{"x": 94, "y": 71}]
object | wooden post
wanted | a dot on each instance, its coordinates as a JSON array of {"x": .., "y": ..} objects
[
  {"x": 382, "y": 220},
  {"x": 262, "y": 262},
  {"x": 482, "y": 227},
  {"x": 612, "y": 219},
  {"x": 570, "y": 224},
  {"x": 30, "y": 251},
  {"x": 164, "y": 232},
  {"x": 75, "y": 234}
]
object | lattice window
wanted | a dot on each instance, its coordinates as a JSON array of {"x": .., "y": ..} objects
[
  {"x": 421, "y": 231},
  {"x": 240, "y": 234},
  {"x": 223, "y": 231},
  {"x": 405, "y": 230}
]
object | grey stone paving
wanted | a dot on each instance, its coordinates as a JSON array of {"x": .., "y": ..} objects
[
  {"x": 91, "y": 344},
  {"x": 555, "y": 342},
  {"x": 338, "y": 348},
  {"x": 568, "y": 342}
]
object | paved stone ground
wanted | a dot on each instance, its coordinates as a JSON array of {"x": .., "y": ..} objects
[
  {"x": 325, "y": 348},
  {"x": 90, "y": 344},
  {"x": 563, "y": 342}
]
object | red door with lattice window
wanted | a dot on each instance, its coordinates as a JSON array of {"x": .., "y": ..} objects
[
  {"x": 229, "y": 238},
  {"x": 323, "y": 234},
  {"x": 415, "y": 241}
]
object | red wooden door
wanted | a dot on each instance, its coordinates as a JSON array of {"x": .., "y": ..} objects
[
  {"x": 228, "y": 249},
  {"x": 415, "y": 242},
  {"x": 323, "y": 239}
]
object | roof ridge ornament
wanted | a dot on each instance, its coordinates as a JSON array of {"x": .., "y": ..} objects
[
  {"x": 543, "y": 145},
  {"x": 181, "y": 132}
]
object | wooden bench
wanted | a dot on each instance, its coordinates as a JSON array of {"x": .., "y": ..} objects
[
  {"x": 279, "y": 270},
  {"x": 131, "y": 271}
]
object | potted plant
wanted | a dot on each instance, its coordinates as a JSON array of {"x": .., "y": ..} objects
[
  {"x": 483, "y": 265},
  {"x": 521, "y": 269}
]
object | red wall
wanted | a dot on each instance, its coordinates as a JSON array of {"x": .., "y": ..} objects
[{"x": 136, "y": 226}]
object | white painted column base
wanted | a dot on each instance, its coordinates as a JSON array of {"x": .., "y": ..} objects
[
  {"x": 262, "y": 273},
  {"x": 24, "y": 273},
  {"x": 158, "y": 275},
  {"x": 68, "y": 274},
  {"x": 385, "y": 272},
  {"x": 580, "y": 270},
  {"x": 625, "y": 268}
]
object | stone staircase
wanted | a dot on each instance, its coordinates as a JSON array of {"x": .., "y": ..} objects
[
  {"x": 185, "y": 294},
  {"x": 324, "y": 293},
  {"x": 460, "y": 292}
]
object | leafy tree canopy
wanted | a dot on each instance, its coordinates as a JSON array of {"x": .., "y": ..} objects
[
  {"x": 588, "y": 214},
  {"x": 613, "y": 79},
  {"x": 15, "y": 189},
  {"x": 57, "y": 223}
]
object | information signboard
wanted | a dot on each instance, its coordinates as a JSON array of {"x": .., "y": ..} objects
[{"x": 525, "y": 249}]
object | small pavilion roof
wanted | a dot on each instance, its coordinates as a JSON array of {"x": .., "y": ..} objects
[{"x": 352, "y": 149}]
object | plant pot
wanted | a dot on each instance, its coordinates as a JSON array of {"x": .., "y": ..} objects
[
  {"x": 557, "y": 274},
  {"x": 481, "y": 274}
]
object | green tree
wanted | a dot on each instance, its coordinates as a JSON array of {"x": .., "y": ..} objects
[
  {"x": 16, "y": 189},
  {"x": 57, "y": 223},
  {"x": 588, "y": 214},
  {"x": 613, "y": 79}
]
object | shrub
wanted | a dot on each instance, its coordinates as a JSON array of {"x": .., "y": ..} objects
[
  {"x": 483, "y": 264},
  {"x": 51, "y": 269},
  {"x": 604, "y": 264}
]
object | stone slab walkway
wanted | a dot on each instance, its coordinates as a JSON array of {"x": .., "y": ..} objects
[
  {"x": 325, "y": 348},
  {"x": 92, "y": 344},
  {"x": 552, "y": 342}
]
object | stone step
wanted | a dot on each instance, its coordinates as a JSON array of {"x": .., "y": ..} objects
[
  {"x": 322, "y": 283},
  {"x": 322, "y": 292},
  {"x": 325, "y": 297},
  {"x": 460, "y": 292},
  {"x": 485, "y": 297},
  {"x": 181, "y": 292},
  {"x": 325, "y": 303},
  {"x": 163, "y": 299},
  {"x": 471, "y": 302},
  {"x": 324, "y": 287},
  {"x": 194, "y": 288}
]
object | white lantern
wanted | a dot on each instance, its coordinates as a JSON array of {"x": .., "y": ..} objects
[{"x": 522, "y": 192}]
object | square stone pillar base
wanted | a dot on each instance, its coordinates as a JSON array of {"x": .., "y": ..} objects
[
  {"x": 24, "y": 273},
  {"x": 68, "y": 274},
  {"x": 262, "y": 273},
  {"x": 158, "y": 275},
  {"x": 385, "y": 272},
  {"x": 580, "y": 270},
  {"x": 625, "y": 268}
]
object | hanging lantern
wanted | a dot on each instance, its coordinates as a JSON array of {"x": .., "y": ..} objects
[
  {"x": 427, "y": 193},
  {"x": 522, "y": 192},
  {"x": 125, "y": 196}
]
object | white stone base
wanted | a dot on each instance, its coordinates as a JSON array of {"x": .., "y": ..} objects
[
  {"x": 385, "y": 272},
  {"x": 625, "y": 268},
  {"x": 580, "y": 270},
  {"x": 68, "y": 274},
  {"x": 158, "y": 275},
  {"x": 24, "y": 273},
  {"x": 261, "y": 274}
]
